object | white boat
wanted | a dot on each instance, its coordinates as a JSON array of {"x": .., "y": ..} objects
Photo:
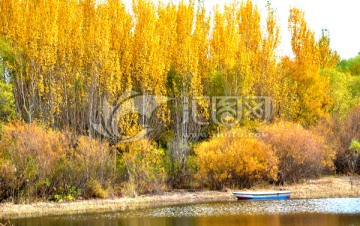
[{"x": 270, "y": 195}]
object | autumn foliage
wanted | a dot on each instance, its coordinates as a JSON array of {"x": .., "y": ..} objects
[
  {"x": 66, "y": 57},
  {"x": 231, "y": 160},
  {"x": 39, "y": 163},
  {"x": 63, "y": 60},
  {"x": 301, "y": 153},
  {"x": 339, "y": 134},
  {"x": 145, "y": 164}
]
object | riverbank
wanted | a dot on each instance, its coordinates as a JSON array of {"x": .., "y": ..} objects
[
  {"x": 326, "y": 187},
  {"x": 9, "y": 210}
]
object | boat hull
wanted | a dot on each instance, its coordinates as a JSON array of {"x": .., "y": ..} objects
[{"x": 281, "y": 195}]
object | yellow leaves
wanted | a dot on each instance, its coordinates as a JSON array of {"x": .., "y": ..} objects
[
  {"x": 225, "y": 39},
  {"x": 311, "y": 89},
  {"x": 303, "y": 44},
  {"x": 328, "y": 58},
  {"x": 148, "y": 64},
  {"x": 234, "y": 159},
  {"x": 145, "y": 164},
  {"x": 79, "y": 52},
  {"x": 238, "y": 48}
]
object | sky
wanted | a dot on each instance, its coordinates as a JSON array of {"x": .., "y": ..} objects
[{"x": 341, "y": 18}]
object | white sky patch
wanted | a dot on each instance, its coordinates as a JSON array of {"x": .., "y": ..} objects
[{"x": 341, "y": 18}]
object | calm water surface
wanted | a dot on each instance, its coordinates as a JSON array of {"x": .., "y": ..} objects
[{"x": 315, "y": 212}]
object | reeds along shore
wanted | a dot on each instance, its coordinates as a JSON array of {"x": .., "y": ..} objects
[{"x": 326, "y": 187}]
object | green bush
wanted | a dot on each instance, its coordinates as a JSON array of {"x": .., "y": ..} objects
[{"x": 7, "y": 101}]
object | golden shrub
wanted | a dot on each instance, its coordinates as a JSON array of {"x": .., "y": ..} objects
[{"x": 234, "y": 161}]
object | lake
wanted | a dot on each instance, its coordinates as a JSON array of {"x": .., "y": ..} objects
[{"x": 317, "y": 212}]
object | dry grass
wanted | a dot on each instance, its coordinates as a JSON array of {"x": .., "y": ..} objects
[
  {"x": 9, "y": 210},
  {"x": 6, "y": 224},
  {"x": 326, "y": 187}
]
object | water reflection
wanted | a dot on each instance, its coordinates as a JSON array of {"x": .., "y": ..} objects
[{"x": 315, "y": 212}]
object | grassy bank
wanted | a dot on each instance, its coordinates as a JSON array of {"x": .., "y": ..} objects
[
  {"x": 9, "y": 210},
  {"x": 326, "y": 187}
]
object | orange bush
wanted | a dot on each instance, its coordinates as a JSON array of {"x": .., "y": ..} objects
[
  {"x": 37, "y": 162},
  {"x": 339, "y": 132},
  {"x": 32, "y": 152},
  {"x": 8, "y": 181},
  {"x": 354, "y": 123},
  {"x": 231, "y": 160},
  {"x": 301, "y": 153}
]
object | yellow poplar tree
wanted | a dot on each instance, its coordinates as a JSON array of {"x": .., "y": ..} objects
[
  {"x": 328, "y": 58},
  {"x": 312, "y": 89},
  {"x": 224, "y": 48}
]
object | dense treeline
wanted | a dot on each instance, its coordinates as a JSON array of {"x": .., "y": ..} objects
[
  {"x": 62, "y": 61},
  {"x": 64, "y": 58}
]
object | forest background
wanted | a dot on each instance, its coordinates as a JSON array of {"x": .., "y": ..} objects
[{"x": 97, "y": 101}]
